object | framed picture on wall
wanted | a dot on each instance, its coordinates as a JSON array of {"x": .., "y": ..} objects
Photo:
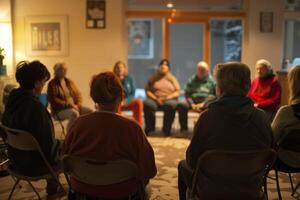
[
  {"x": 140, "y": 38},
  {"x": 266, "y": 22},
  {"x": 95, "y": 14},
  {"x": 46, "y": 35}
]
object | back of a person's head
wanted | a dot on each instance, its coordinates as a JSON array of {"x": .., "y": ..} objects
[
  {"x": 233, "y": 78},
  {"x": 28, "y": 73},
  {"x": 106, "y": 88},
  {"x": 294, "y": 84}
]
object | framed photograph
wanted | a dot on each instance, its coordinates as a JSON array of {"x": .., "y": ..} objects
[
  {"x": 95, "y": 14},
  {"x": 266, "y": 22},
  {"x": 46, "y": 35},
  {"x": 140, "y": 38}
]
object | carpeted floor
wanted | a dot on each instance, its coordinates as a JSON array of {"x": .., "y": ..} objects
[{"x": 168, "y": 152}]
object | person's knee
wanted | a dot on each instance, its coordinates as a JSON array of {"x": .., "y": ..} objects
[
  {"x": 74, "y": 114},
  {"x": 182, "y": 107}
]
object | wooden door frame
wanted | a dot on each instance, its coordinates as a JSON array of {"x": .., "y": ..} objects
[{"x": 174, "y": 16}]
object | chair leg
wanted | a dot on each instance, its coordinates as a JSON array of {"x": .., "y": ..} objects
[
  {"x": 266, "y": 187},
  {"x": 295, "y": 189},
  {"x": 291, "y": 181},
  {"x": 13, "y": 189},
  {"x": 33, "y": 188},
  {"x": 277, "y": 184}
]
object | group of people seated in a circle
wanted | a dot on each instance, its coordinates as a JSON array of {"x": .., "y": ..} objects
[
  {"x": 235, "y": 115},
  {"x": 162, "y": 93}
]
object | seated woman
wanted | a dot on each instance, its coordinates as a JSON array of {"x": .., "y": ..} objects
[
  {"x": 136, "y": 105},
  {"x": 265, "y": 90},
  {"x": 288, "y": 117},
  {"x": 64, "y": 97},
  {"x": 106, "y": 135},
  {"x": 24, "y": 111},
  {"x": 162, "y": 91}
]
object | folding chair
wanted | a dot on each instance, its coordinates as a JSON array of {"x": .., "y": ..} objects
[
  {"x": 24, "y": 141},
  {"x": 101, "y": 173},
  {"x": 227, "y": 167},
  {"x": 290, "y": 142}
]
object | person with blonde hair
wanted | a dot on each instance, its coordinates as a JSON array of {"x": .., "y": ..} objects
[
  {"x": 199, "y": 92},
  {"x": 230, "y": 123},
  {"x": 288, "y": 117},
  {"x": 106, "y": 135},
  {"x": 265, "y": 90},
  {"x": 64, "y": 97},
  {"x": 162, "y": 92},
  {"x": 136, "y": 105}
]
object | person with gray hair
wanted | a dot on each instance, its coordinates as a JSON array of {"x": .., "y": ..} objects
[
  {"x": 230, "y": 123},
  {"x": 64, "y": 97},
  {"x": 265, "y": 90},
  {"x": 199, "y": 91}
]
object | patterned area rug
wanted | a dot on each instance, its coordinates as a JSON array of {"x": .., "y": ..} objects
[{"x": 168, "y": 151}]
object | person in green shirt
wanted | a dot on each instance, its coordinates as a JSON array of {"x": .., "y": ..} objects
[{"x": 199, "y": 91}]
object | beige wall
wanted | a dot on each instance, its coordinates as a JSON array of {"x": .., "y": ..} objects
[
  {"x": 259, "y": 45},
  {"x": 90, "y": 50}
]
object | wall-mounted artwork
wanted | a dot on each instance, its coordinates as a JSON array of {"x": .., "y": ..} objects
[
  {"x": 266, "y": 22},
  {"x": 46, "y": 35},
  {"x": 95, "y": 14},
  {"x": 140, "y": 38}
]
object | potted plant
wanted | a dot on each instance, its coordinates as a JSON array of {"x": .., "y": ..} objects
[{"x": 1, "y": 56}]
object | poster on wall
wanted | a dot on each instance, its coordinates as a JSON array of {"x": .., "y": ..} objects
[
  {"x": 140, "y": 38},
  {"x": 95, "y": 14},
  {"x": 46, "y": 35},
  {"x": 266, "y": 22}
]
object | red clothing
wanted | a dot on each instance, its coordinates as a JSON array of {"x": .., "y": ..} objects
[
  {"x": 266, "y": 93},
  {"x": 109, "y": 136},
  {"x": 137, "y": 108}
]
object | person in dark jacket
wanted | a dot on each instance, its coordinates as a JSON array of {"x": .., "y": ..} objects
[
  {"x": 230, "y": 123},
  {"x": 24, "y": 111}
]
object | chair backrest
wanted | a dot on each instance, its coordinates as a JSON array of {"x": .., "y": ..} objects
[
  {"x": 97, "y": 172},
  {"x": 224, "y": 165},
  {"x": 20, "y": 139},
  {"x": 291, "y": 140}
]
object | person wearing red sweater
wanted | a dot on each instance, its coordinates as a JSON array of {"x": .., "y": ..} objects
[
  {"x": 106, "y": 135},
  {"x": 265, "y": 90}
]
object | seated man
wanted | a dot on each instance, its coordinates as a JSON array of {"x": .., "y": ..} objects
[
  {"x": 199, "y": 91},
  {"x": 229, "y": 123},
  {"x": 106, "y": 135},
  {"x": 64, "y": 97},
  {"x": 24, "y": 111},
  {"x": 265, "y": 90}
]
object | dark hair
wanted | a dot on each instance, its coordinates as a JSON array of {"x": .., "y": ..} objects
[
  {"x": 106, "y": 88},
  {"x": 28, "y": 73},
  {"x": 165, "y": 61}
]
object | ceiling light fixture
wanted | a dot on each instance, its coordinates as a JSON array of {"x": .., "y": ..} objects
[{"x": 170, "y": 5}]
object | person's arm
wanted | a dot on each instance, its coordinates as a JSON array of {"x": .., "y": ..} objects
[
  {"x": 149, "y": 92},
  {"x": 176, "y": 93},
  {"x": 77, "y": 94},
  {"x": 274, "y": 98},
  {"x": 53, "y": 97},
  {"x": 41, "y": 127},
  {"x": 188, "y": 92},
  {"x": 279, "y": 124},
  {"x": 196, "y": 147},
  {"x": 146, "y": 159},
  {"x": 131, "y": 88}
]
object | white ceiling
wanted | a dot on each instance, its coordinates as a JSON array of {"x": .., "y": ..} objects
[{"x": 186, "y": 4}]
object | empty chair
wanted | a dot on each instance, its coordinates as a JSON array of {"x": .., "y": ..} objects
[
  {"x": 235, "y": 172},
  {"x": 22, "y": 140},
  {"x": 102, "y": 173}
]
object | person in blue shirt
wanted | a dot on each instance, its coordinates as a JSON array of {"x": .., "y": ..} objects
[{"x": 129, "y": 103}]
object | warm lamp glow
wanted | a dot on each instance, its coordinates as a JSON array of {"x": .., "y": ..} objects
[
  {"x": 6, "y": 43},
  {"x": 170, "y": 5}
]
